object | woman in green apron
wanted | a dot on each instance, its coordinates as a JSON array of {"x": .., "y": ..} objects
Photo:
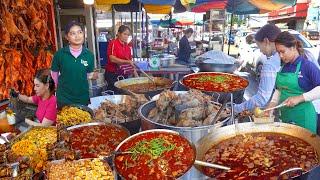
[{"x": 297, "y": 84}]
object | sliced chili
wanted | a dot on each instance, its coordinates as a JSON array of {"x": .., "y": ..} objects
[{"x": 155, "y": 156}]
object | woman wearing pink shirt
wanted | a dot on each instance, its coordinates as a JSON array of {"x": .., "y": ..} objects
[{"x": 44, "y": 88}]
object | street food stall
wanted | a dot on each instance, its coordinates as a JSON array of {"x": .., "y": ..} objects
[{"x": 150, "y": 130}]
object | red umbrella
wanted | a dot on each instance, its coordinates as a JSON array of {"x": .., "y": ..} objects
[{"x": 204, "y": 7}]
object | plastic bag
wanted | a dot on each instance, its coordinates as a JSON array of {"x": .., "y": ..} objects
[{"x": 216, "y": 57}]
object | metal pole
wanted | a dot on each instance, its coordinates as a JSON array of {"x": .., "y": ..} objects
[
  {"x": 147, "y": 35},
  {"x": 131, "y": 25},
  {"x": 90, "y": 31},
  {"x": 136, "y": 39},
  {"x": 132, "y": 34},
  {"x": 113, "y": 22},
  {"x": 318, "y": 18},
  {"x": 231, "y": 24},
  {"x": 96, "y": 33}
]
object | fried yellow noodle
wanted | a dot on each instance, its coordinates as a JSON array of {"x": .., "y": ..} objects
[
  {"x": 70, "y": 116},
  {"x": 33, "y": 145}
]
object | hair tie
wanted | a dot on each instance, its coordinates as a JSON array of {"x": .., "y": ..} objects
[{"x": 48, "y": 78}]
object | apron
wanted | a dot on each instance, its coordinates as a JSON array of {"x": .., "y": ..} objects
[{"x": 303, "y": 114}]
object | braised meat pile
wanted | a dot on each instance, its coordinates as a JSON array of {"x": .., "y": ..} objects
[{"x": 186, "y": 110}]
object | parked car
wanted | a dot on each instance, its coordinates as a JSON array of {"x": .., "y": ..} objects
[
  {"x": 312, "y": 35},
  {"x": 240, "y": 36},
  {"x": 251, "y": 57}
]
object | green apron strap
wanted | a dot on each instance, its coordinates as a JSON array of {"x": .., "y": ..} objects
[
  {"x": 298, "y": 68},
  {"x": 303, "y": 114}
]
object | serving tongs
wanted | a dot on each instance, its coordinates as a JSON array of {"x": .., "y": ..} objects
[{"x": 216, "y": 117}]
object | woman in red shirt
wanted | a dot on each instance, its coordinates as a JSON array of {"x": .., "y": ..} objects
[{"x": 119, "y": 58}]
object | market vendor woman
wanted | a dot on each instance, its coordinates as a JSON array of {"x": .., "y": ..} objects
[
  {"x": 72, "y": 66},
  {"x": 44, "y": 88},
  {"x": 119, "y": 58},
  {"x": 297, "y": 84}
]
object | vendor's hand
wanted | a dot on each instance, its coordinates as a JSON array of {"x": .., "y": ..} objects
[
  {"x": 13, "y": 93},
  {"x": 293, "y": 101},
  {"x": 131, "y": 63},
  {"x": 95, "y": 75},
  {"x": 29, "y": 122},
  {"x": 135, "y": 73},
  {"x": 268, "y": 113}
]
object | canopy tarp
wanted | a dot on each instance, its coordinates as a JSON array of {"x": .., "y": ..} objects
[
  {"x": 157, "y": 9},
  {"x": 178, "y": 7},
  {"x": 207, "y": 6},
  {"x": 106, "y": 5},
  {"x": 172, "y": 23},
  {"x": 133, "y": 6},
  {"x": 239, "y": 6},
  {"x": 110, "y": 2},
  {"x": 159, "y": 2},
  {"x": 106, "y": 8},
  {"x": 184, "y": 22}
]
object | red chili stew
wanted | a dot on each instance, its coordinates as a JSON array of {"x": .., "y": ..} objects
[
  {"x": 155, "y": 155},
  {"x": 215, "y": 82},
  {"x": 259, "y": 156},
  {"x": 93, "y": 141}
]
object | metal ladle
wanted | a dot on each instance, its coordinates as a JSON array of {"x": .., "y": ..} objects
[
  {"x": 211, "y": 165},
  {"x": 258, "y": 112},
  {"x": 149, "y": 77}
]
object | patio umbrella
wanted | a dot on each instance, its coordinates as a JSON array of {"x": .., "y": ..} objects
[
  {"x": 157, "y": 6},
  {"x": 157, "y": 9},
  {"x": 159, "y": 2},
  {"x": 240, "y": 6},
  {"x": 106, "y": 5},
  {"x": 178, "y": 7},
  {"x": 207, "y": 6},
  {"x": 133, "y": 6},
  {"x": 184, "y": 22}
]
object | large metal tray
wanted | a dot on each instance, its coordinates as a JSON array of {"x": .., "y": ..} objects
[
  {"x": 46, "y": 173},
  {"x": 97, "y": 124},
  {"x": 21, "y": 135},
  {"x": 133, "y": 126},
  {"x": 220, "y": 73}
]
